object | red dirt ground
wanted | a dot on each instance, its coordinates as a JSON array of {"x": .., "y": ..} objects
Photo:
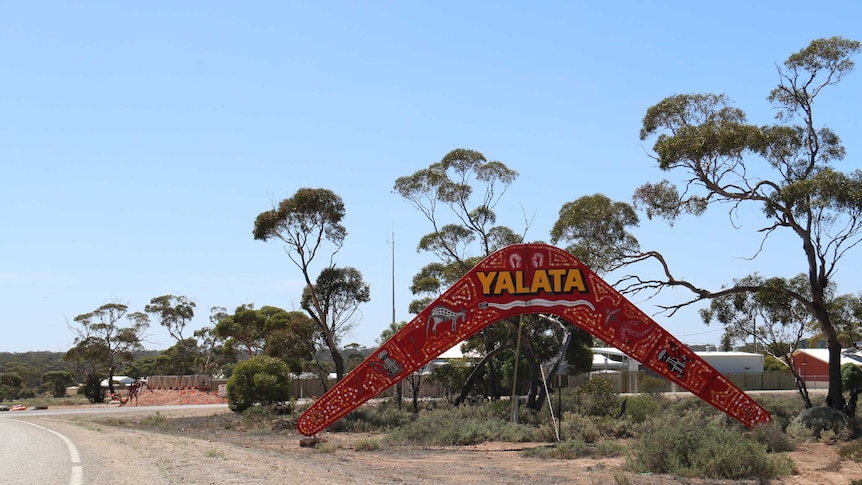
[{"x": 163, "y": 397}]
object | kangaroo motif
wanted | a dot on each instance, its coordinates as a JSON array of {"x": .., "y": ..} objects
[{"x": 442, "y": 314}]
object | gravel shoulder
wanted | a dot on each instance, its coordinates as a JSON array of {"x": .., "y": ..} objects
[{"x": 231, "y": 456}]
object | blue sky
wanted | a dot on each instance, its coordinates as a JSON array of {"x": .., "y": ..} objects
[{"x": 139, "y": 140}]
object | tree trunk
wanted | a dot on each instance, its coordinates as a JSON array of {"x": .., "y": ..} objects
[
  {"x": 468, "y": 384},
  {"x": 536, "y": 392},
  {"x": 850, "y": 408},
  {"x": 339, "y": 363},
  {"x": 835, "y": 394},
  {"x": 111, "y": 382},
  {"x": 415, "y": 384},
  {"x": 802, "y": 388},
  {"x": 493, "y": 382},
  {"x": 558, "y": 361}
]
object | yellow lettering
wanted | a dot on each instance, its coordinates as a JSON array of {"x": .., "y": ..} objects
[
  {"x": 557, "y": 281},
  {"x": 575, "y": 280},
  {"x": 486, "y": 279},
  {"x": 550, "y": 281},
  {"x": 541, "y": 282},
  {"x": 504, "y": 283},
  {"x": 519, "y": 283}
]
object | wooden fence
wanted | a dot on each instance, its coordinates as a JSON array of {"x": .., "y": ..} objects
[{"x": 624, "y": 382}]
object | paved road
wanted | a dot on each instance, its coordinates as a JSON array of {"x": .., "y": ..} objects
[
  {"x": 30, "y": 453},
  {"x": 40, "y": 447}
]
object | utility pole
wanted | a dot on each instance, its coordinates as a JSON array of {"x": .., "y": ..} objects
[{"x": 393, "y": 276}]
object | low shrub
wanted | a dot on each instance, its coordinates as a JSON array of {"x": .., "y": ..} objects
[
  {"x": 773, "y": 437},
  {"x": 642, "y": 407},
  {"x": 441, "y": 427},
  {"x": 783, "y": 409},
  {"x": 155, "y": 421},
  {"x": 851, "y": 451},
  {"x": 577, "y": 427},
  {"x": 571, "y": 449},
  {"x": 324, "y": 447},
  {"x": 812, "y": 423},
  {"x": 564, "y": 450},
  {"x": 367, "y": 419},
  {"x": 653, "y": 386},
  {"x": 596, "y": 397},
  {"x": 367, "y": 444},
  {"x": 708, "y": 451},
  {"x": 261, "y": 380}
]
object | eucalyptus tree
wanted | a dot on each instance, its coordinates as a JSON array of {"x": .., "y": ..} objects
[
  {"x": 308, "y": 224},
  {"x": 786, "y": 170},
  {"x": 212, "y": 350},
  {"x": 846, "y": 312},
  {"x": 596, "y": 230},
  {"x": 458, "y": 195},
  {"x": 770, "y": 318},
  {"x": 103, "y": 344},
  {"x": 332, "y": 303},
  {"x": 59, "y": 380},
  {"x": 173, "y": 313},
  {"x": 269, "y": 331}
]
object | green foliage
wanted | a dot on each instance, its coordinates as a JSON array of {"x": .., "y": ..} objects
[
  {"x": 851, "y": 376},
  {"x": 268, "y": 330},
  {"x": 155, "y": 421},
  {"x": 464, "y": 425},
  {"x": 577, "y": 427},
  {"x": 575, "y": 448},
  {"x": 709, "y": 451},
  {"x": 851, "y": 451},
  {"x": 451, "y": 376},
  {"x": 325, "y": 447},
  {"x": 812, "y": 423},
  {"x": 173, "y": 313},
  {"x": 367, "y": 444},
  {"x": 782, "y": 409},
  {"x": 773, "y": 437},
  {"x": 653, "y": 386},
  {"x": 92, "y": 389},
  {"x": 597, "y": 397},
  {"x": 10, "y": 386},
  {"x": 30, "y": 366},
  {"x": 771, "y": 364},
  {"x": 384, "y": 417},
  {"x": 103, "y": 345},
  {"x": 304, "y": 223},
  {"x": 707, "y": 141},
  {"x": 260, "y": 380},
  {"x": 259, "y": 416},
  {"x": 59, "y": 381},
  {"x": 595, "y": 231},
  {"x": 642, "y": 407},
  {"x": 564, "y": 450}
]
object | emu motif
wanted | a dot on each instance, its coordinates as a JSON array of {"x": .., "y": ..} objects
[{"x": 440, "y": 314}]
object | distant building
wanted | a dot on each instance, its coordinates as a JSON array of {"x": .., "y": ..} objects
[
  {"x": 813, "y": 364},
  {"x": 733, "y": 362},
  {"x": 610, "y": 358},
  {"x": 122, "y": 380}
]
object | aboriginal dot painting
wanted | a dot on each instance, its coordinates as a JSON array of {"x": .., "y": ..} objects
[{"x": 525, "y": 279}]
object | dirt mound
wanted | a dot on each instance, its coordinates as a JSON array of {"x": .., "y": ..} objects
[{"x": 164, "y": 397}]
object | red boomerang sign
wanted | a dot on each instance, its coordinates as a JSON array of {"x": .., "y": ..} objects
[{"x": 525, "y": 279}]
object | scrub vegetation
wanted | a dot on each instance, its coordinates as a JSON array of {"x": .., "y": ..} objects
[{"x": 656, "y": 435}]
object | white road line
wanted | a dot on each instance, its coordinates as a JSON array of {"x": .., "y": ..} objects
[{"x": 77, "y": 477}]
